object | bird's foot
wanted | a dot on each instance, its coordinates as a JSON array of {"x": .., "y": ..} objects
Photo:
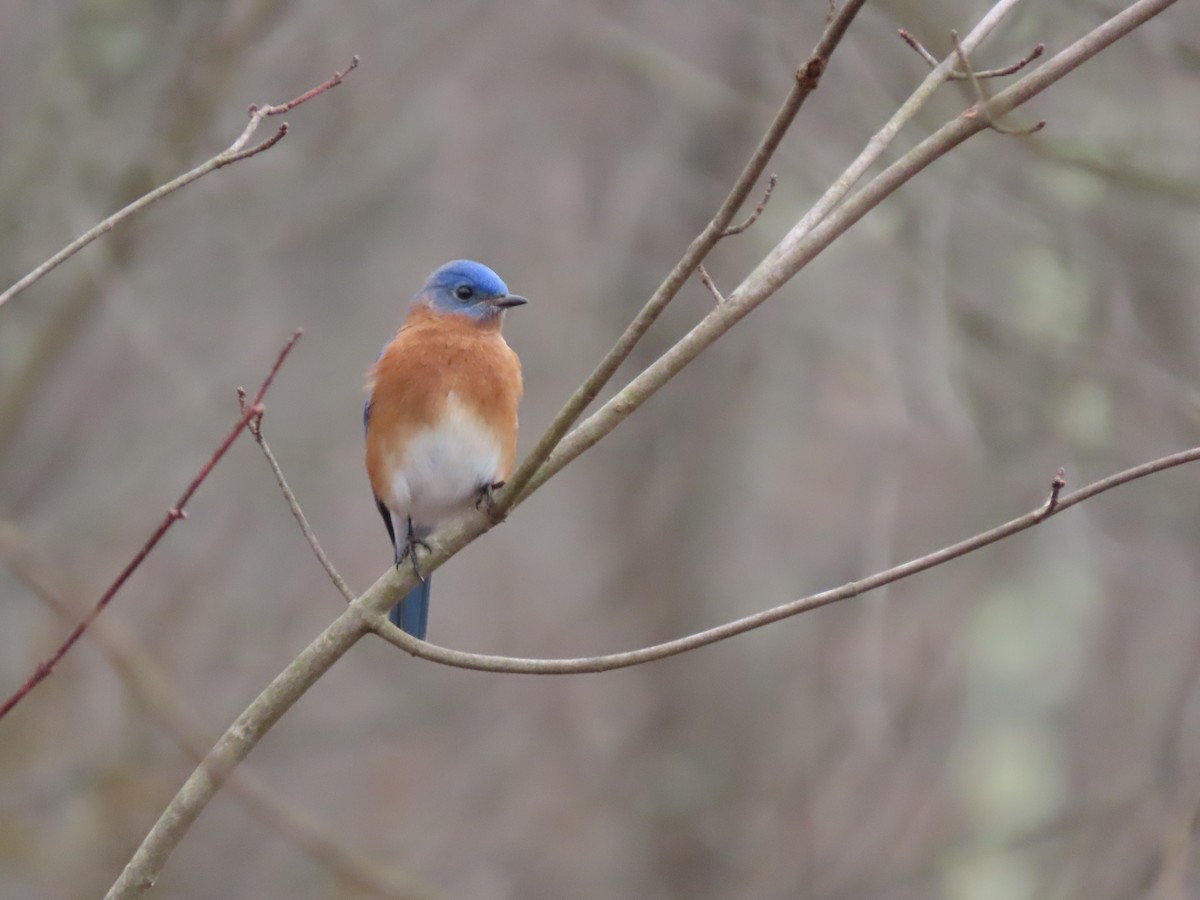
[
  {"x": 486, "y": 499},
  {"x": 409, "y": 552}
]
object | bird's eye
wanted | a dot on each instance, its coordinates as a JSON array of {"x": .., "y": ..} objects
[{"x": 464, "y": 292}]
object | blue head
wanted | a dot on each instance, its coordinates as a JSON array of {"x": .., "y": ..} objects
[{"x": 467, "y": 288}]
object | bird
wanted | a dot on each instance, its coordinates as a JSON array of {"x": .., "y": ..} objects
[{"x": 441, "y": 415}]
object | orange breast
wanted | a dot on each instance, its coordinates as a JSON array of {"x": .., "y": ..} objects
[{"x": 432, "y": 357}]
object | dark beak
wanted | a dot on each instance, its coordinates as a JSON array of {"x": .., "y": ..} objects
[{"x": 508, "y": 301}]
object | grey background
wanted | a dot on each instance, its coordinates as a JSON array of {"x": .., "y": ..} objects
[{"x": 1022, "y": 723}]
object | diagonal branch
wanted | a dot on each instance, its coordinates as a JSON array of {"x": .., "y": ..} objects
[
  {"x": 235, "y": 152},
  {"x": 958, "y": 74},
  {"x": 758, "y": 210},
  {"x": 981, "y": 96},
  {"x": 233, "y": 746},
  {"x": 801, "y": 246},
  {"x": 289, "y": 497},
  {"x": 875, "y": 147},
  {"x": 808, "y": 76},
  {"x": 152, "y": 687},
  {"x": 173, "y": 515}
]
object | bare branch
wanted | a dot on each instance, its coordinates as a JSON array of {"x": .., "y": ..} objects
[
  {"x": 807, "y": 78},
  {"x": 255, "y": 427},
  {"x": 705, "y": 278},
  {"x": 758, "y": 210},
  {"x": 1056, "y": 485},
  {"x": 801, "y": 245},
  {"x": 981, "y": 96},
  {"x": 334, "y": 80},
  {"x": 929, "y": 58},
  {"x": 393, "y": 635},
  {"x": 1004, "y": 71},
  {"x": 233, "y": 746},
  {"x": 875, "y": 147},
  {"x": 959, "y": 75},
  {"x": 152, "y": 687},
  {"x": 270, "y": 142},
  {"x": 235, "y": 152},
  {"x": 173, "y": 515},
  {"x": 709, "y": 283}
]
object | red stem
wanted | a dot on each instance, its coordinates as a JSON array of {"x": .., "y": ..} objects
[{"x": 174, "y": 514}]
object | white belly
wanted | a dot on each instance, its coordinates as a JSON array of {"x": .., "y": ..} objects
[{"x": 444, "y": 467}]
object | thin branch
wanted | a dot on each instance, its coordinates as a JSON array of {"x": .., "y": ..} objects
[
  {"x": 909, "y": 39},
  {"x": 876, "y": 146},
  {"x": 800, "y": 246},
  {"x": 480, "y": 662},
  {"x": 334, "y": 80},
  {"x": 152, "y": 688},
  {"x": 957, "y": 75},
  {"x": 235, "y": 152},
  {"x": 173, "y": 515},
  {"x": 807, "y": 78},
  {"x": 1014, "y": 68},
  {"x": 270, "y": 142},
  {"x": 247, "y": 730},
  {"x": 981, "y": 96},
  {"x": 255, "y": 427},
  {"x": 707, "y": 281},
  {"x": 758, "y": 210},
  {"x": 1056, "y": 485}
]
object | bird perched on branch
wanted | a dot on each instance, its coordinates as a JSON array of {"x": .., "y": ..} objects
[{"x": 441, "y": 414}]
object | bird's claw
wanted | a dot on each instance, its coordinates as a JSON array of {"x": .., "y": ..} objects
[
  {"x": 410, "y": 552},
  {"x": 486, "y": 498}
]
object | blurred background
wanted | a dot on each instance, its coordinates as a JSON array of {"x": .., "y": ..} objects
[{"x": 1021, "y": 723}]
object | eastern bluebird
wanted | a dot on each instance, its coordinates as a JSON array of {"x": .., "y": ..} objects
[{"x": 441, "y": 414}]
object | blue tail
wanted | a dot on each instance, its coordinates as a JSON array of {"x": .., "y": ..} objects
[{"x": 412, "y": 613}]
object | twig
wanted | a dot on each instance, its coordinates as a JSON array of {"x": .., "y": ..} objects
[
  {"x": 235, "y": 152},
  {"x": 173, "y": 515},
  {"x": 152, "y": 687},
  {"x": 956, "y": 75},
  {"x": 758, "y": 210},
  {"x": 880, "y": 141},
  {"x": 1004, "y": 71},
  {"x": 480, "y": 662},
  {"x": 807, "y": 78},
  {"x": 919, "y": 47},
  {"x": 334, "y": 80},
  {"x": 255, "y": 427},
  {"x": 270, "y": 142},
  {"x": 705, "y": 278},
  {"x": 981, "y": 96},
  {"x": 1056, "y": 485},
  {"x": 709, "y": 283}
]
